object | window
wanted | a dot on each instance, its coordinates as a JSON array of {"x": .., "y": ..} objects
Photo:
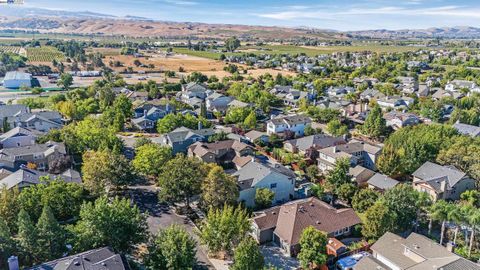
[{"x": 274, "y": 185}]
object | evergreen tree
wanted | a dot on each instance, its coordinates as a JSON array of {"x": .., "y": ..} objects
[
  {"x": 251, "y": 120},
  {"x": 7, "y": 244},
  {"x": 51, "y": 239},
  {"x": 375, "y": 125},
  {"x": 26, "y": 237}
]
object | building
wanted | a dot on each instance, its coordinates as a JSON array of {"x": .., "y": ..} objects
[
  {"x": 294, "y": 123},
  {"x": 358, "y": 152},
  {"x": 274, "y": 177},
  {"x": 466, "y": 129},
  {"x": 38, "y": 154},
  {"x": 16, "y": 80},
  {"x": 398, "y": 120},
  {"x": 317, "y": 142},
  {"x": 18, "y": 137},
  {"x": 381, "y": 182},
  {"x": 96, "y": 259},
  {"x": 25, "y": 177},
  {"x": 442, "y": 182},
  {"x": 416, "y": 252},
  {"x": 181, "y": 138},
  {"x": 222, "y": 152},
  {"x": 284, "y": 224}
]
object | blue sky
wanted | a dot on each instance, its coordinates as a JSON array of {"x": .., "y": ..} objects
[{"x": 328, "y": 14}]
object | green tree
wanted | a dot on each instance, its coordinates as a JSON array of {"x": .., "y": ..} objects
[
  {"x": 402, "y": 201},
  {"x": 232, "y": 43},
  {"x": 336, "y": 128},
  {"x": 172, "y": 248},
  {"x": 7, "y": 244},
  {"x": 181, "y": 179},
  {"x": 51, "y": 238},
  {"x": 9, "y": 206},
  {"x": 251, "y": 120},
  {"x": 364, "y": 199},
  {"x": 247, "y": 256},
  {"x": 464, "y": 154},
  {"x": 65, "y": 81},
  {"x": 338, "y": 175},
  {"x": 312, "y": 172},
  {"x": 439, "y": 212},
  {"x": 150, "y": 159},
  {"x": 312, "y": 248},
  {"x": 263, "y": 198},
  {"x": 346, "y": 192},
  {"x": 378, "y": 220},
  {"x": 26, "y": 237},
  {"x": 375, "y": 125},
  {"x": 223, "y": 229},
  {"x": 219, "y": 189},
  {"x": 117, "y": 224},
  {"x": 104, "y": 171}
]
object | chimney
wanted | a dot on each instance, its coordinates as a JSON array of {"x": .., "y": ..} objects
[
  {"x": 144, "y": 112},
  {"x": 334, "y": 149},
  {"x": 200, "y": 126},
  {"x": 13, "y": 263}
]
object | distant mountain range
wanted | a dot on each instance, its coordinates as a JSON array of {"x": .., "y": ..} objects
[{"x": 86, "y": 22}]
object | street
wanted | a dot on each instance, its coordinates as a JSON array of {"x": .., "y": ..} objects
[{"x": 162, "y": 216}]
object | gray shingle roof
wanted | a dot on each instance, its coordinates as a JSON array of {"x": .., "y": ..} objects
[
  {"x": 25, "y": 177},
  {"x": 433, "y": 173},
  {"x": 317, "y": 141},
  {"x": 254, "y": 172},
  {"x": 382, "y": 181},
  {"x": 465, "y": 129}
]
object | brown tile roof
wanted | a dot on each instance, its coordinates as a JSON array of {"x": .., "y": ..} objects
[{"x": 295, "y": 216}]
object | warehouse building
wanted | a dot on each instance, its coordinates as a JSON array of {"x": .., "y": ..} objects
[{"x": 15, "y": 80}]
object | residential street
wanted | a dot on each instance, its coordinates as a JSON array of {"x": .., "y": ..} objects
[{"x": 161, "y": 216}]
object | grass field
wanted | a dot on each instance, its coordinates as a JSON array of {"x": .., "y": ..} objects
[{"x": 44, "y": 54}]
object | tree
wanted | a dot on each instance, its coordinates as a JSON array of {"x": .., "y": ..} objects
[
  {"x": 65, "y": 81},
  {"x": 219, "y": 189},
  {"x": 181, "y": 179},
  {"x": 26, "y": 237},
  {"x": 264, "y": 198},
  {"x": 172, "y": 248},
  {"x": 251, "y": 120},
  {"x": 103, "y": 171},
  {"x": 464, "y": 154},
  {"x": 439, "y": 211},
  {"x": 247, "y": 256},
  {"x": 364, "y": 199},
  {"x": 223, "y": 229},
  {"x": 51, "y": 238},
  {"x": 141, "y": 142},
  {"x": 346, "y": 192},
  {"x": 7, "y": 244},
  {"x": 336, "y": 128},
  {"x": 9, "y": 206},
  {"x": 402, "y": 201},
  {"x": 232, "y": 43},
  {"x": 312, "y": 172},
  {"x": 150, "y": 159},
  {"x": 375, "y": 125},
  {"x": 117, "y": 224},
  {"x": 312, "y": 248},
  {"x": 378, "y": 220},
  {"x": 339, "y": 175},
  {"x": 474, "y": 221},
  {"x": 318, "y": 191},
  {"x": 63, "y": 198}
]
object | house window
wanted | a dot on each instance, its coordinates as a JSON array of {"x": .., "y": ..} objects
[{"x": 274, "y": 185}]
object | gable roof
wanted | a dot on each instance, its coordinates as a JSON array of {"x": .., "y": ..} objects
[
  {"x": 18, "y": 131},
  {"x": 317, "y": 141},
  {"x": 291, "y": 120},
  {"x": 382, "y": 181},
  {"x": 465, "y": 129},
  {"x": 254, "y": 172},
  {"x": 433, "y": 174},
  {"x": 25, "y": 177},
  {"x": 294, "y": 217}
]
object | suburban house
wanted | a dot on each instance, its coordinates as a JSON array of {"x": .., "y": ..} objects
[
  {"x": 217, "y": 102},
  {"x": 147, "y": 115},
  {"x": 253, "y": 135},
  {"x": 360, "y": 175},
  {"x": 284, "y": 224},
  {"x": 394, "y": 102},
  {"x": 294, "y": 123},
  {"x": 18, "y": 137},
  {"x": 381, "y": 182},
  {"x": 12, "y": 110},
  {"x": 274, "y": 177},
  {"x": 442, "y": 182},
  {"x": 42, "y": 121},
  {"x": 96, "y": 259},
  {"x": 181, "y": 138},
  {"x": 398, "y": 120},
  {"x": 358, "y": 152},
  {"x": 39, "y": 154},
  {"x": 408, "y": 85},
  {"x": 289, "y": 95},
  {"x": 416, "y": 252},
  {"x": 222, "y": 152},
  {"x": 458, "y": 85},
  {"x": 466, "y": 129},
  {"x": 194, "y": 94},
  {"x": 25, "y": 177},
  {"x": 371, "y": 93},
  {"x": 317, "y": 142},
  {"x": 16, "y": 80}
]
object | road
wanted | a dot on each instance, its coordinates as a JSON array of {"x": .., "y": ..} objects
[{"x": 162, "y": 216}]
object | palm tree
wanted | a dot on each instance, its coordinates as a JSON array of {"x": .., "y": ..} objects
[
  {"x": 455, "y": 214},
  {"x": 439, "y": 212},
  {"x": 473, "y": 219}
]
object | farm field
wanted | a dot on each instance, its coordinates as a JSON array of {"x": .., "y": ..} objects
[
  {"x": 44, "y": 54},
  {"x": 10, "y": 49}
]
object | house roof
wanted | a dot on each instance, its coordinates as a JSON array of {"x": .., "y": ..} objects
[
  {"x": 11, "y": 110},
  {"x": 317, "y": 141},
  {"x": 434, "y": 174},
  {"x": 370, "y": 263},
  {"x": 382, "y": 181},
  {"x": 16, "y": 75},
  {"x": 18, "y": 131},
  {"x": 254, "y": 172},
  {"x": 291, "y": 120},
  {"x": 182, "y": 133},
  {"x": 254, "y": 134},
  {"x": 97, "y": 259},
  {"x": 25, "y": 177},
  {"x": 294, "y": 217},
  {"x": 201, "y": 149},
  {"x": 12, "y": 153},
  {"x": 466, "y": 129}
]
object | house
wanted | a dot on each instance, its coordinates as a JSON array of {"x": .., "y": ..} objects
[
  {"x": 458, "y": 85},
  {"x": 335, "y": 247},
  {"x": 371, "y": 93},
  {"x": 221, "y": 152},
  {"x": 408, "y": 85},
  {"x": 25, "y": 177},
  {"x": 381, "y": 182},
  {"x": 194, "y": 93},
  {"x": 284, "y": 224},
  {"x": 466, "y": 129},
  {"x": 181, "y": 138},
  {"x": 42, "y": 121},
  {"x": 217, "y": 102},
  {"x": 317, "y": 142},
  {"x": 253, "y": 135},
  {"x": 18, "y": 137},
  {"x": 358, "y": 152},
  {"x": 16, "y": 80},
  {"x": 340, "y": 91},
  {"x": 7, "y": 111},
  {"x": 289, "y": 95},
  {"x": 416, "y": 252},
  {"x": 441, "y": 182},
  {"x": 392, "y": 102},
  {"x": 274, "y": 177},
  {"x": 293, "y": 123},
  {"x": 147, "y": 115},
  {"x": 440, "y": 93},
  {"x": 38, "y": 154},
  {"x": 360, "y": 175},
  {"x": 398, "y": 120},
  {"x": 96, "y": 259}
]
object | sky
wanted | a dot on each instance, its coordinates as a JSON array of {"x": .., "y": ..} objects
[{"x": 326, "y": 14}]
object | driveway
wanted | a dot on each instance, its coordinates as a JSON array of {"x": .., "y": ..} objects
[
  {"x": 161, "y": 216},
  {"x": 273, "y": 256}
]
